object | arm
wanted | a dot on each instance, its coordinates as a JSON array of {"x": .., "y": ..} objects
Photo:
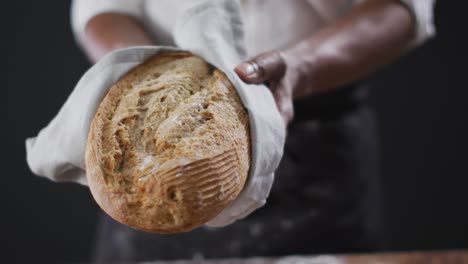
[
  {"x": 110, "y": 31},
  {"x": 371, "y": 35}
]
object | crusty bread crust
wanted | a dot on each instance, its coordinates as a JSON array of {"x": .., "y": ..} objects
[{"x": 169, "y": 146}]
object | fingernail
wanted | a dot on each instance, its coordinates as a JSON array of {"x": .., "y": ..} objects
[{"x": 248, "y": 69}]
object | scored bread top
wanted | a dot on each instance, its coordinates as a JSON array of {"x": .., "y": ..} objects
[{"x": 169, "y": 146}]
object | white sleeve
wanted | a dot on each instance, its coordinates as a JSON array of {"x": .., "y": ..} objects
[
  {"x": 84, "y": 10},
  {"x": 423, "y": 11}
]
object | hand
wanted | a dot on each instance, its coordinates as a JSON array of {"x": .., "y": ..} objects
[
  {"x": 343, "y": 52},
  {"x": 271, "y": 69}
]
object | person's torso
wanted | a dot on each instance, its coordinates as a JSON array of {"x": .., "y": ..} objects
[
  {"x": 268, "y": 24},
  {"x": 325, "y": 195}
]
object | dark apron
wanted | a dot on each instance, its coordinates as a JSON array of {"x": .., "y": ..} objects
[{"x": 325, "y": 198}]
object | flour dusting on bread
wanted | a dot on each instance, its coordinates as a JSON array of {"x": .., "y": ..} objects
[{"x": 169, "y": 146}]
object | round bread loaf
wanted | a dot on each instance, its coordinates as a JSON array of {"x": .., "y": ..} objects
[{"x": 169, "y": 146}]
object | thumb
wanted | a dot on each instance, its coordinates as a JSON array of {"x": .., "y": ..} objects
[{"x": 262, "y": 68}]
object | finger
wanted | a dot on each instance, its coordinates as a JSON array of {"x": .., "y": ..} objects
[
  {"x": 265, "y": 67},
  {"x": 285, "y": 105},
  {"x": 287, "y": 113}
]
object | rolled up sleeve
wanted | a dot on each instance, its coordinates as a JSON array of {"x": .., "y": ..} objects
[
  {"x": 423, "y": 12},
  {"x": 82, "y": 11}
]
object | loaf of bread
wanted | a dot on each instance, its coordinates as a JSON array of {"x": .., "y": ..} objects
[{"x": 169, "y": 146}]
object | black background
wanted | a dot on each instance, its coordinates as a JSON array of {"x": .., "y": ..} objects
[{"x": 421, "y": 101}]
